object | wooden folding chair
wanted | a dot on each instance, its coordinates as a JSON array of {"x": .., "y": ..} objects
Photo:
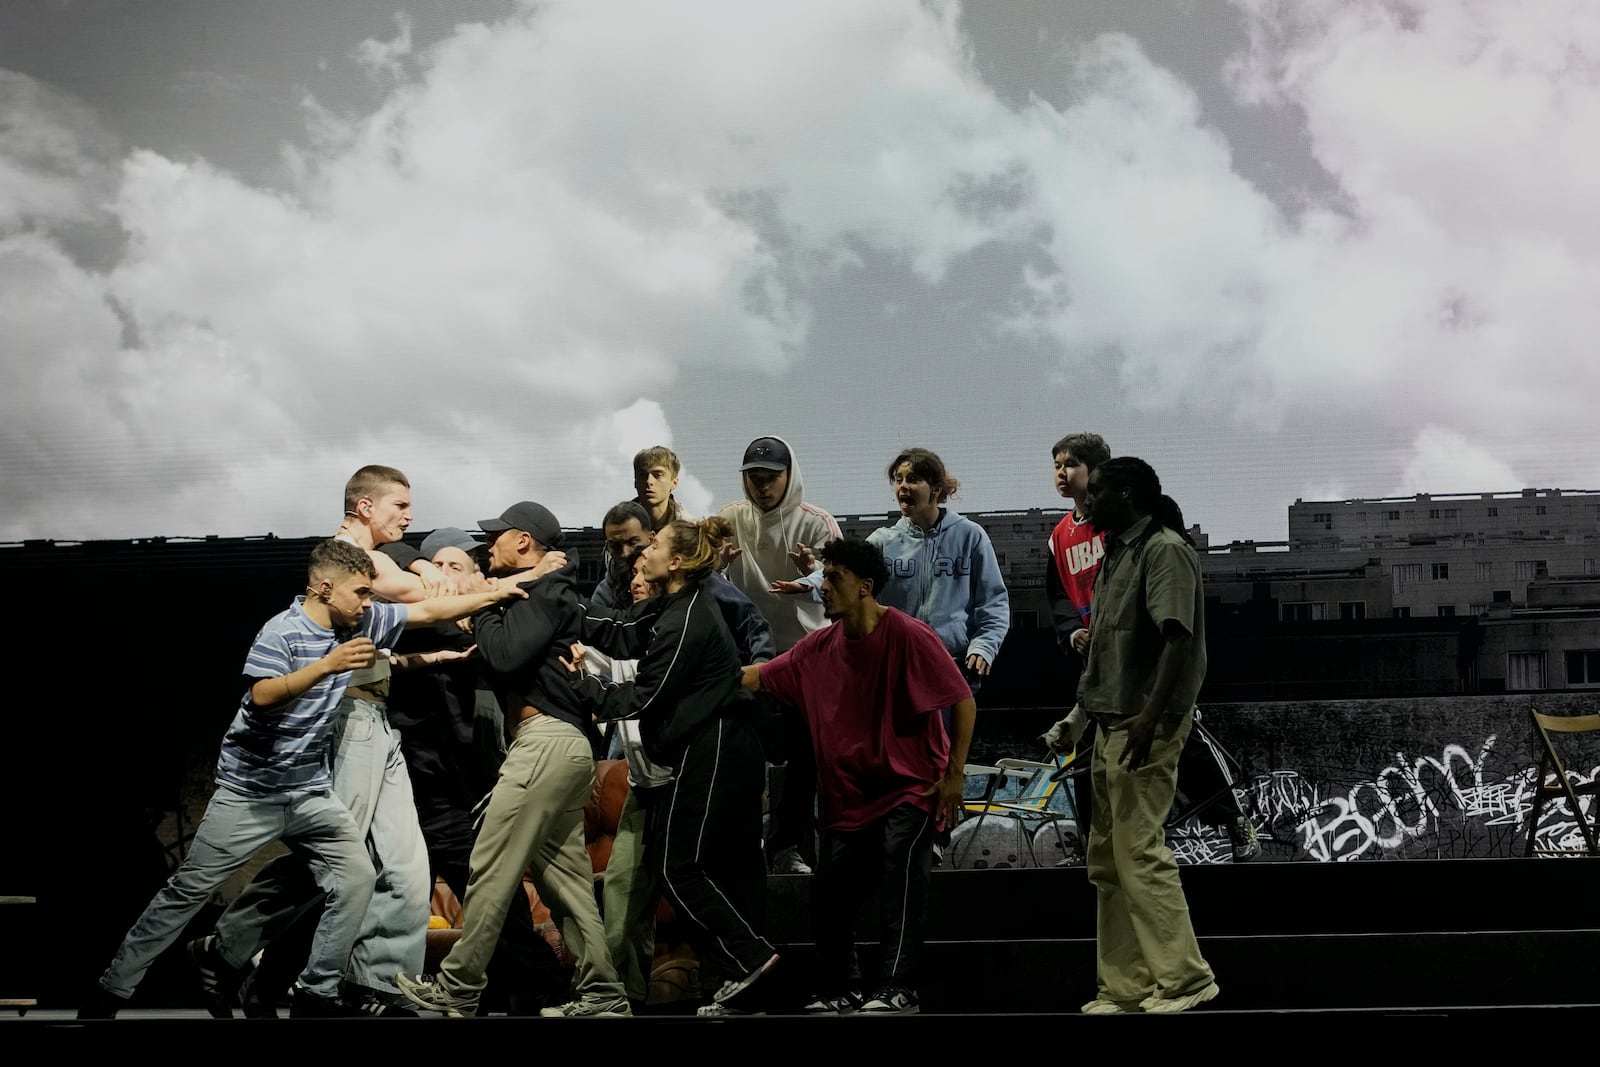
[{"x": 1550, "y": 764}]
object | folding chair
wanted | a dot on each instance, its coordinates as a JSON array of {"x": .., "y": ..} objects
[
  {"x": 1550, "y": 763},
  {"x": 1030, "y": 808}
]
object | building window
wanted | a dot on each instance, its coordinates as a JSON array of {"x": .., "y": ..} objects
[
  {"x": 1485, "y": 572},
  {"x": 1304, "y": 611},
  {"x": 1524, "y": 670},
  {"x": 1433, "y": 513},
  {"x": 1529, "y": 569},
  {"x": 1441, "y": 572},
  {"x": 1400, "y": 613},
  {"x": 1394, "y": 516},
  {"x": 1478, "y": 609},
  {"x": 1452, "y": 513},
  {"x": 1494, "y": 513},
  {"x": 1588, "y": 566},
  {"x": 1539, "y": 510},
  {"x": 1447, "y": 611},
  {"x": 1322, "y": 516},
  {"x": 1352, "y": 610},
  {"x": 1583, "y": 666},
  {"x": 1407, "y": 572},
  {"x": 1544, "y": 533},
  {"x": 1502, "y": 596}
]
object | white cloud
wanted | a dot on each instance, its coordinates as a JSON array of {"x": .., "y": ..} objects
[
  {"x": 1452, "y": 282},
  {"x": 551, "y": 222},
  {"x": 1443, "y": 461},
  {"x": 485, "y": 281}
]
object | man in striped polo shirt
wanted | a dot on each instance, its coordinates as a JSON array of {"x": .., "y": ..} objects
[{"x": 273, "y": 780}]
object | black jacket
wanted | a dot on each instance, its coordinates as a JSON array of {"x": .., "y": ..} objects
[
  {"x": 688, "y": 673},
  {"x": 521, "y": 643}
]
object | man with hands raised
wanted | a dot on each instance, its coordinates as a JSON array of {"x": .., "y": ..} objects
[{"x": 273, "y": 779}]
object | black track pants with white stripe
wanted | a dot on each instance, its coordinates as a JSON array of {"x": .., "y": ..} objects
[
  {"x": 708, "y": 828},
  {"x": 892, "y": 858}
]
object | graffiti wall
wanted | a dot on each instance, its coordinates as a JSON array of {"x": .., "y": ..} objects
[{"x": 1332, "y": 781}]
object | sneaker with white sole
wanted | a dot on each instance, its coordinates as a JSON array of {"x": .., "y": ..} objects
[
  {"x": 847, "y": 1003},
  {"x": 789, "y": 861},
  {"x": 733, "y": 987},
  {"x": 721, "y": 1011},
  {"x": 590, "y": 1009},
  {"x": 1102, "y": 1006},
  {"x": 892, "y": 1000},
  {"x": 1243, "y": 834},
  {"x": 1173, "y": 1005},
  {"x": 426, "y": 993}
]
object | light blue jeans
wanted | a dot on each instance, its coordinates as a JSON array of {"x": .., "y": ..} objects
[
  {"x": 370, "y": 777},
  {"x": 234, "y": 828}
]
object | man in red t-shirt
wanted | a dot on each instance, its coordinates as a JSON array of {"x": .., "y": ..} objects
[
  {"x": 1076, "y": 549},
  {"x": 872, "y": 685}
]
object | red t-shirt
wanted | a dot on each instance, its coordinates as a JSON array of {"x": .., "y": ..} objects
[
  {"x": 1078, "y": 549},
  {"x": 872, "y": 705}
]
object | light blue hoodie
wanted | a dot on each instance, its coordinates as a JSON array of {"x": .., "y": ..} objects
[{"x": 949, "y": 578}]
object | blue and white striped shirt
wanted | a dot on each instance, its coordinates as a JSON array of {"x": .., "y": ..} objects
[{"x": 285, "y": 748}]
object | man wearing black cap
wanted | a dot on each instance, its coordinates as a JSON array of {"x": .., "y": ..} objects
[
  {"x": 776, "y": 532},
  {"x": 453, "y": 734},
  {"x": 534, "y": 818}
]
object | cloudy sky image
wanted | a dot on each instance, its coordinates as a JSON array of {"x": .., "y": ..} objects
[{"x": 1279, "y": 248}]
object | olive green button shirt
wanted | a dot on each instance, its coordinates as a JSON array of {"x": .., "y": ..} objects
[{"x": 1146, "y": 579}]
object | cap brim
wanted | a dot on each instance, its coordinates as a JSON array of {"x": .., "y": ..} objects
[
  {"x": 764, "y": 465},
  {"x": 493, "y": 525}
]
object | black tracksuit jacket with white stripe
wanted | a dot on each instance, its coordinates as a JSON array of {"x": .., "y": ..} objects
[{"x": 688, "y": 672}]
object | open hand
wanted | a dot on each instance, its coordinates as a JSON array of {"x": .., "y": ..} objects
[
  {"x": 553, "y": 561},
  {"x": 978, "y": 665},
  {"x": 803, "y": 558},
  {"x": 788, "y": 588}
]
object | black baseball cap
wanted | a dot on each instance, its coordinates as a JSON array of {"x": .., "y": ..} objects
[
  {"x": 533, "y": 519},
  {"x": 448, "y": 537},
  {"x": 766, "y": 454}
]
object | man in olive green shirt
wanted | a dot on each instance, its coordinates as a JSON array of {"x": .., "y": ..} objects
[{"x": 1146, "y": 660}]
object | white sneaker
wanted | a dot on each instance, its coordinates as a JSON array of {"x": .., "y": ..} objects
[
  {"x": 734, "y": 987},
  {"x": 1173, "y": 1005},
  {"x": 1101, "y": 1006},
  {"x": 789, "y": 861},
  {"x": 589, "y": 1009}
]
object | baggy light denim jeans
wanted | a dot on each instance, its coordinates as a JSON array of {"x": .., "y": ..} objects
[
  {"x": 369, "y": 775},
  {"x": 234, "y": 828}
]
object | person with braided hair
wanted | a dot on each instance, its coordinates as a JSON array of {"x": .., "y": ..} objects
[
  {"x": 1146, "y": 662},
  {"x": 694, "y": 717}
]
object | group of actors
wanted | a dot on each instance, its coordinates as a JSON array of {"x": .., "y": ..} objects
[{"x": 437, "y": 713}]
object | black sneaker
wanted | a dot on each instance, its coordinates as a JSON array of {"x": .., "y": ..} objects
[
  {"x": 219, "y": 980},
  {"x": 847, "y": 1003},
  {"x": 375, "y": 1003},
  {"x": 101, "y": 1003},
  {"x": 892, "y": 1000},
  {"x": 304, "y": 1004},
  {"x": 255, "y": 1000}
]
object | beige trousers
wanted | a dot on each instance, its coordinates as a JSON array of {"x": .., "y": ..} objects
[{"x": 1145, "y": 944}]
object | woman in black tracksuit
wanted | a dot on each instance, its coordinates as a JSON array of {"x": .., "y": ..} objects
[{"x": 694, "y": 717}]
